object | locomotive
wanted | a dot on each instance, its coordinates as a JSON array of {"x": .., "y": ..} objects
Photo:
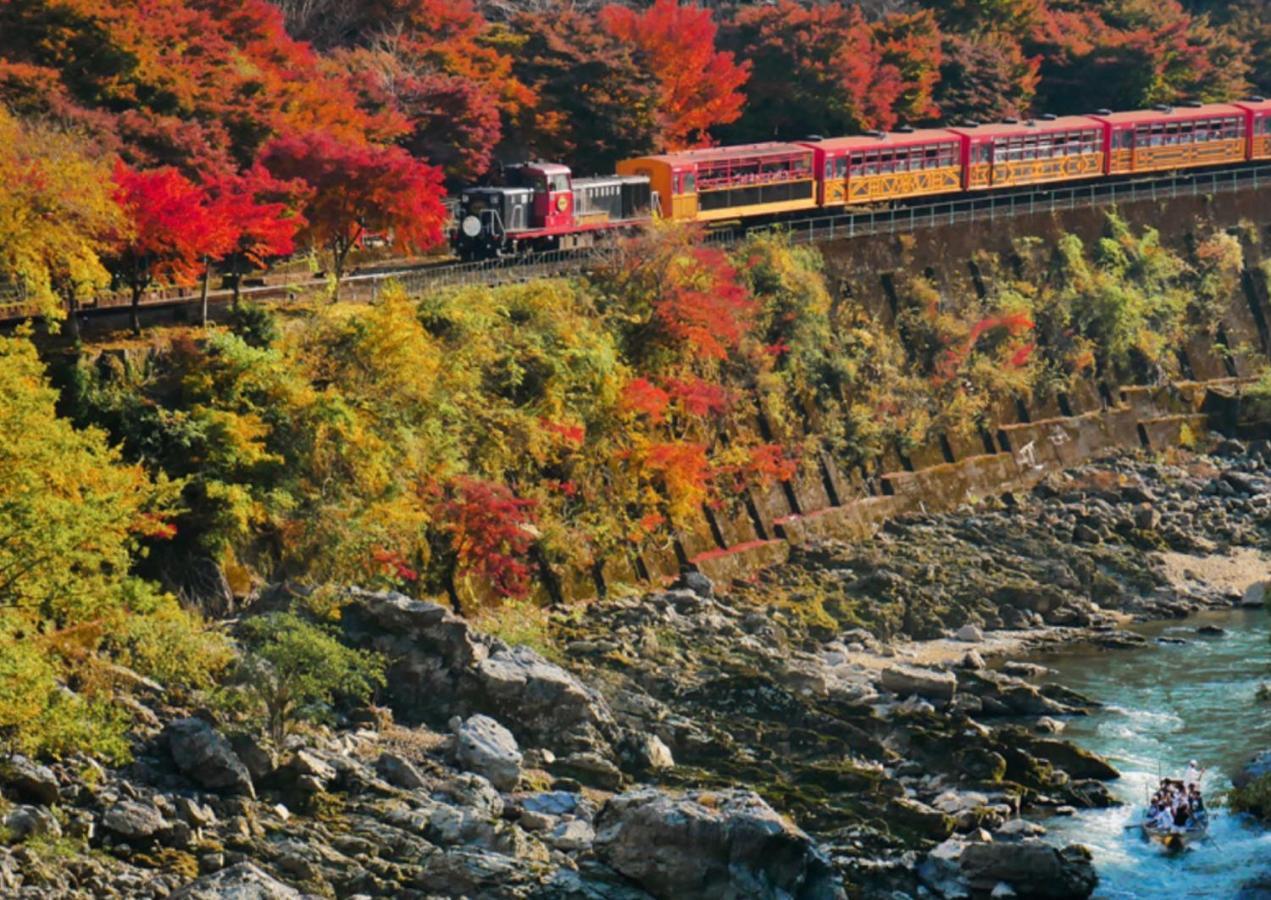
[{"x": 540, "y": 206}]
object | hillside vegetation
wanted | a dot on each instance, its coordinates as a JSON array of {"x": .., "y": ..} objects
[{"x": 487, "y": 447}]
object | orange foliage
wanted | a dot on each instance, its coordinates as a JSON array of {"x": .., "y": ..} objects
[{"x": 700, "y": 85}]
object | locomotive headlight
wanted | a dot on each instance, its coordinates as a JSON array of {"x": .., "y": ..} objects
[{"x": 470, "y": 226}]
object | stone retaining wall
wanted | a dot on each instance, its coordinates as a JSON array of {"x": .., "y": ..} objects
[{"x": 1029, "y": 440}]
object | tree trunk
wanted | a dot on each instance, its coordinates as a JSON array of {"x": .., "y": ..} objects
[
  {"x": 207, "y": 274},
  {"x": 236, "y": 281},
  {"x": 135, "y": 312},
  {"x": 72, "y": 317}
]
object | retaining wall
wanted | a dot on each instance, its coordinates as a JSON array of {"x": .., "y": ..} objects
[{"x": 1028, "y": 441}]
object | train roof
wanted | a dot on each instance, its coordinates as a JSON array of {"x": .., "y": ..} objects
[
  {"x": 884, "y": 139},
  {"x": 1258, "y": 106},
  {"x": 736, "y": 151},
  {"x": 1027, "y": 126},
  {"x": 1173, "y": 114}
]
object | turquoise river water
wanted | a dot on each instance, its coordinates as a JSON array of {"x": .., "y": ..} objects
[{"x": 1165, "y": 704}]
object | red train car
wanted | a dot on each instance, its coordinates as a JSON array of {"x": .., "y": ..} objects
[
  {"x": 1035, "y": 151},
  {"x": 1257, "y": 127},
  {"x": 883, "y": 166},
  {"x": 1155, "y": 140}
]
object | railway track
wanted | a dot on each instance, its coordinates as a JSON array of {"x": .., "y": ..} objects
[{"x": 817, "y": 226}]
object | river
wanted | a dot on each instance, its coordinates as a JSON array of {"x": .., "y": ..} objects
[{"x": 1165, "y": 704}]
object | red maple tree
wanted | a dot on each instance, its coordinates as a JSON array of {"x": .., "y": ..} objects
[
  {"x": 700, "y": 85},
  {"x": 258, "y": 213},
  {"x": 172, "y": 229},
  {"x": 358, "y": 188}
]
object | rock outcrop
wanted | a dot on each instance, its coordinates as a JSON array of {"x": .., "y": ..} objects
[
  {"x": 1031, "y": 867},
  {"x": 711, "y": 845}
]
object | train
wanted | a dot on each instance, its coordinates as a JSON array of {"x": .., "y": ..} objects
[{"x": 540, "y": 206}]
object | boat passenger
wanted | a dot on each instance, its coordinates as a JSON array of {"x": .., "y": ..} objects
[
  {"x": 1182, "y": 816},
  {"x": 1193, "y": 775}
]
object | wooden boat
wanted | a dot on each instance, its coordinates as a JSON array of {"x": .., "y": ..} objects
[{"x": 1175, "y": 839}]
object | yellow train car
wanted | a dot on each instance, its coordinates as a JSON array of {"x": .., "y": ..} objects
[
  {"x": 1155, "y": 140},
  {"x": 882, "y": 166},
  {"x": 724, "y": 183},
  {"x": 1037, "y": 151}
]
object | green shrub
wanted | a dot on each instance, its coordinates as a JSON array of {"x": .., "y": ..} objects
[{"x": 295, "y": 670}]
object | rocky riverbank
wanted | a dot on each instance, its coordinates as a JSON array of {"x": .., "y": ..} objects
[{"x": 847, "y": 724}]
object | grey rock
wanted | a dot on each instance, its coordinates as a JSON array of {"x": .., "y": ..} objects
[
  {"x": 970, "y": 633},
  {"x": 644, "y": 752},
  {"x": 972, "y": 660},
  {"x": 591, "y": 769},
  {"x": 24, "y": 822},
  {"x": 244, "y": 881},
  {"x": 1255, "y": 595},
  {"x": 400, "y": 772},
  {"x": 195, "y": 814},
  {"x": 726, "y": 845},
  {"x": 912, "y": 680},
  {"x": 571, "y": 836},
  {"x": 552, "y": 803},
  {"x": 308, "y": 768},
  {"x": 940, "y": 870},
  {"x": 135, "y": 822},
  {"x": 471, "y": 790},
  {"x": 698, "y": 583},
  {"x": 539, "y": 699},
  {"x": 259, "y": 759},
  {"x": 1031, "y": 867},
  {"x": 28, "y": 781},
  {"x": 483, "y": 745},
  {"x": 1255, "y": 768},
  {"x": 205, "y": 757},
  {"x": 1015, "y": 828}
]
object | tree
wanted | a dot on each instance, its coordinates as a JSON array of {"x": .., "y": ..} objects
[
  {"x": 196, "y": 84},
  {"x": 297, "y": 669},
  {"x": 700, "y": 85},
  {"x": 597, "y": 102},
  {"x": 356, "y": 188},
  {"x": 451, "y": 121},
  {"x": 825, "y": 69},
  {"x": 985, "y": 77},
  {"x": 257, "y": 213},
  {"x": 171, "y": 229},
  {"x": 73, "y": 520},
  {"x": 1130, "y": 54},
  {"x": 57, "y": 216}
]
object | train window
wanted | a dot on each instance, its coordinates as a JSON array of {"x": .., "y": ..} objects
[
  {"x": 690, "y": 183},
  {"x": 840, "y": 167},
  {"x": 675, "y": 185},
  {"x": 1265, "y": 125}
]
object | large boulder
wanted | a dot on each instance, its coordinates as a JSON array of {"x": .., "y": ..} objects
[
  {"x": 484, "y": 746},
  {"x": 441, "y": 667},
  {"x": 204, "y": 756},
  {"x": 134, "y": 822},
  {"x": 1032, "y": 868},
  {"x": 711, "y": 845},
  {"x": 244, "y": 881},
  {"x": 906, "y": 681},
  {"x": 1255, "y": 768},
  {"x": 25, "y": 780},
  {"x": 24, "y": 822}
]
